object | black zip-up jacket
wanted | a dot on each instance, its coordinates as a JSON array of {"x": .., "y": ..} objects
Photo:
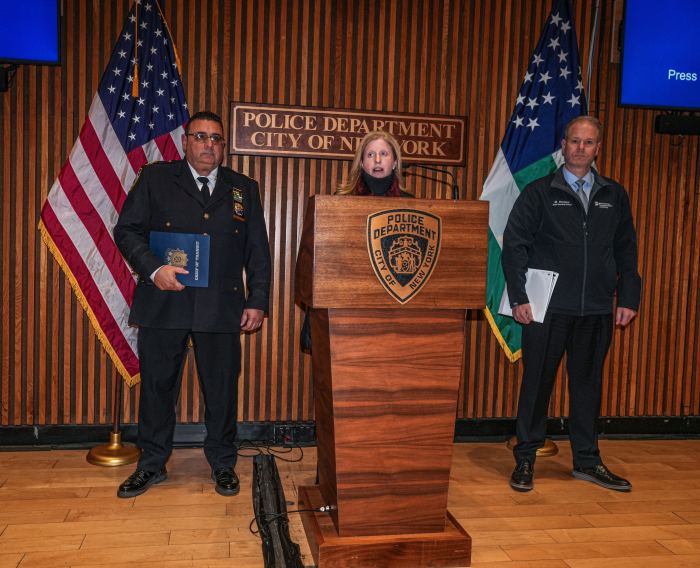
[{"x": 595, "y": 254}]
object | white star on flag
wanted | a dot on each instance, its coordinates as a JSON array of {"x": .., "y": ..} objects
[{"x": 573, "y": 101}]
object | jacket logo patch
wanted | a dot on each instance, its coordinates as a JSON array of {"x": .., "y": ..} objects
[
  {"x": 403, "y": 246},
  {"x": 562, "y": 203},
  {"x": 602, "y": 204}
]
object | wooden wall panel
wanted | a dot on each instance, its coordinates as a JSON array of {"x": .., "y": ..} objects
[{"x": 454, "y": 57}]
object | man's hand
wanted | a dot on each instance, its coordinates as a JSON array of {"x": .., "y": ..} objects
[
  {"x": 623, "y": 316},
  {"x": 523, "y": 314},
  {"x": 165, "y": 278},
  {"x": 251, "y": 319}
]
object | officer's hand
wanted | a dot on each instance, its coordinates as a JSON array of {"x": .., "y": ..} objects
[
  {"x": 251, "y": 319},
  {"x": 165, "y": 278},
  {"x": 523, "y": 314},
  {"x": 623, "y": 316}
]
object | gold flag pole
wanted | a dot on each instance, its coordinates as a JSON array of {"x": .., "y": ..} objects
[{"x": 115, "y": 453}]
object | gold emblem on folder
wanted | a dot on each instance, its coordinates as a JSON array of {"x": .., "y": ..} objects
[
  {"x": 176, "y": 257},
  {"x": 403, "y": 246}
]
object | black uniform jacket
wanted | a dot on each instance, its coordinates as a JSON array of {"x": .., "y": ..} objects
[
  {"x": 165, "y": 197},
  {"x": 595, "y": 254}
]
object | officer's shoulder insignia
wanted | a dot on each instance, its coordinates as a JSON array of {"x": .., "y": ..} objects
[
  {"x": 247, "y": 177},
  {"x": 143, "y": 168},
  {"x": 403, "y": 246}
]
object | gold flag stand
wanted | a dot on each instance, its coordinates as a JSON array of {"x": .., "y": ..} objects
[
  {"x": 115, "y": 453},
  {"x": 547, "y": 451}
]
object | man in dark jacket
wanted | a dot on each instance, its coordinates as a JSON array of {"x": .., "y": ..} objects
[
  {"x": 579, "y": 224},
  {"x": 198, "y": 196}
]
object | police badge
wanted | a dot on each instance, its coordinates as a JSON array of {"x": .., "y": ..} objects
[{"x": 403, "y": 246}]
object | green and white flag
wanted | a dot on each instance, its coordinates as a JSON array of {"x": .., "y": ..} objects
[{"x": 550, "y": 96}]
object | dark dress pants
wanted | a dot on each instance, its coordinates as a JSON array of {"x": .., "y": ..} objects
[
  {"x": 218, "y": 359},
  {"x": 586, "y": 340}
]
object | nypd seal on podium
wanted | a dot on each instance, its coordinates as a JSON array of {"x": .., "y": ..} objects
[{"x": 403, "y": 246}]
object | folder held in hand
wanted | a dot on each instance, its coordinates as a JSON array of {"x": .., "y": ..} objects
[{"x": 539, "y": 286}]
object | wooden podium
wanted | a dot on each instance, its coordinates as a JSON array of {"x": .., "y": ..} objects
[{"x": 387, "y": 363}]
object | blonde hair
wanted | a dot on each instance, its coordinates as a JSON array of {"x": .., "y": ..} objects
[{"x": 356, "y": 168}]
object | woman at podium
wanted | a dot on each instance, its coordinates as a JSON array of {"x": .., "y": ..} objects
[
  {"x": 376, "y": 168},
  {"x": 376, "y": 172}
]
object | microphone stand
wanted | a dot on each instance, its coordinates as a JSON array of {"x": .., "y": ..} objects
[{"x": 455, "y": 187}]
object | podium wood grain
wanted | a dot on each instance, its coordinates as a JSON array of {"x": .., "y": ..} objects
[
  {"x": 386, "y": 379},
  {"x": 385, "y": 411},
  {"x": 334, "y": 269}
]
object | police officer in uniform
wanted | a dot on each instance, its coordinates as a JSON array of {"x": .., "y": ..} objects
[{"x": 194, "y": 195}]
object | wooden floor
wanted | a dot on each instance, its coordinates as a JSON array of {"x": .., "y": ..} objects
[{"x": 57, "y": 510}]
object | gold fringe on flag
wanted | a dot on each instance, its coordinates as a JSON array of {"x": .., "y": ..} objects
[{"x": 130, "y": 380}]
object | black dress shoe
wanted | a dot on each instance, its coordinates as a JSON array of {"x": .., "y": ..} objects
[
  {"x": 601, "y": 475},
  {"x": 521, "y": 478},
  {"x": 139, "y": 482},
  {"x": 226, "y": 481}
]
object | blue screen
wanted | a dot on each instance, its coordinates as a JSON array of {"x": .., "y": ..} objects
[
  {"x": 29, "y": 31},
  {"x": 661, "y": 54}
]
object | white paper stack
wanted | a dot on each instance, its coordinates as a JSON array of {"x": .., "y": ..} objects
[{"x": 539, "y": 285}]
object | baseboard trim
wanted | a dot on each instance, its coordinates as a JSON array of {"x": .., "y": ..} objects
[
  {"x": 495, "y": 429},
  {"x": 304, "y": 433}
]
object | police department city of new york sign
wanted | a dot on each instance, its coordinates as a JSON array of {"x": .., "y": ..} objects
[{"x": 403, "y": 246}]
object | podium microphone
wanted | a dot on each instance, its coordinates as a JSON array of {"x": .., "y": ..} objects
[{"x": 455, "y": 187}]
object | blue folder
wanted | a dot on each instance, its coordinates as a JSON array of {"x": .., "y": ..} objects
[{"x": 187, "y": 250}]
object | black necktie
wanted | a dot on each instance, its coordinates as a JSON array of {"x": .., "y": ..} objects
[{"x": 205, "y": 187}]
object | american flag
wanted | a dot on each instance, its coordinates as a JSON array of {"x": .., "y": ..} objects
[
  {"x": 550, "y": 96},
  {"x": 137, "y": 116}
]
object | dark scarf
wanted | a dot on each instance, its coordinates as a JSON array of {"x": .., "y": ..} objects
[{"x": 387, "y": 186}]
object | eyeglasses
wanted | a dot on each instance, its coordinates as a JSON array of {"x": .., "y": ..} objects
[{"x": 202, "y": 137}]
